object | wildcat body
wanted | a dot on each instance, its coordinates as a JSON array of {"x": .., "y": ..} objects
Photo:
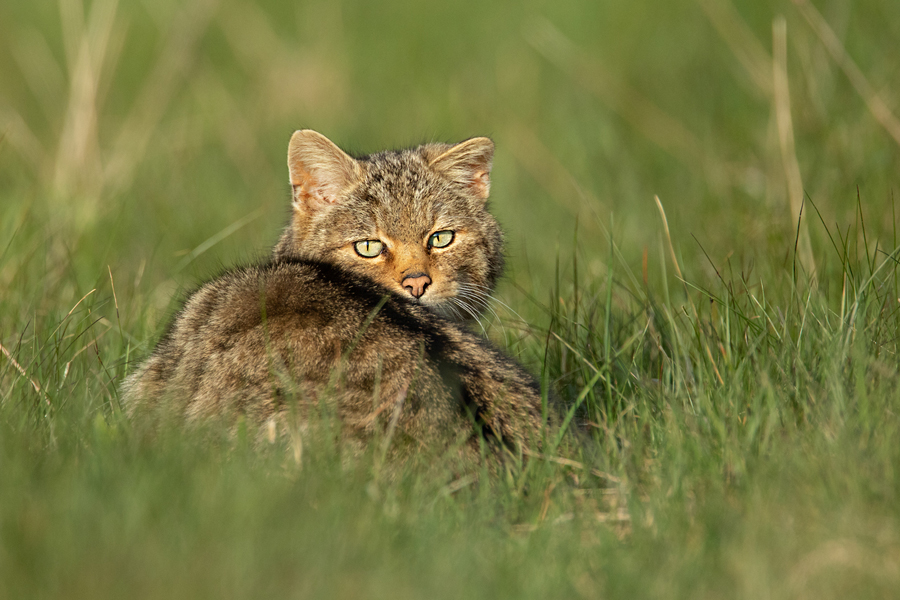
[{"x": 362, "y": 306}]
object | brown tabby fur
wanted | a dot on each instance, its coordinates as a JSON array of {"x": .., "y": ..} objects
[{"x": 320, "y": 323}]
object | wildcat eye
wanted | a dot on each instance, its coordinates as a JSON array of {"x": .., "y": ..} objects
[
  {"x": 368, "y": 248},
  {"x": 440, "y": 239}
]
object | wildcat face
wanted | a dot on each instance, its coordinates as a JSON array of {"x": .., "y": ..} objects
[{"x": 415, "y": 220}]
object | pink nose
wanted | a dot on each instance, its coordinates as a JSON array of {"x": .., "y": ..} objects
[{"x": 416, "y": 283}]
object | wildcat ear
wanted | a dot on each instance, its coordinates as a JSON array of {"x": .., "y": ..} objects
[
  {"x": 320, "y": 171},
  {"x": 468, "y": 163}
]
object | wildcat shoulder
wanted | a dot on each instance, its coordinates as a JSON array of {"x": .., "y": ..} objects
[{"x": 363, "y": 307}]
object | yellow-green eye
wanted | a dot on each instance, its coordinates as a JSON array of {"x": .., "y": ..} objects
[
  {"x": 440, "y": 239},
  {"x": 368, "y": 248}
]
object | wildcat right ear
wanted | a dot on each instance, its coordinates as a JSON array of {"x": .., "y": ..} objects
[
  {"x": 320, "y": 171},
  {"x": 468, "y": 164}
]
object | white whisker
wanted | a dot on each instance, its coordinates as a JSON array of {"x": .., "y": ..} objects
[
  {"x": 462, "y": 304},
  {"x": 448, "y": 311},
  {"x": 481, "y": 296},
  {"x": 482, "y": 301},
  {"x": 473, "y": 287}
]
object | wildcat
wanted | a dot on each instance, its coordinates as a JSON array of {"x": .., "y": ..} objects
[{"x": 362, "y": 306}]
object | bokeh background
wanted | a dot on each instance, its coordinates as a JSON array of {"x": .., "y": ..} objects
[
  {"x": 134, "y": 132},
  {"x": 738, "y": 430}
]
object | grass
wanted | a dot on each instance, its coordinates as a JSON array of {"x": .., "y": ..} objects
[{"x": 731, "y": 366}]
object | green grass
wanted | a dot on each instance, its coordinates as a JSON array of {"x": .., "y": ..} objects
[{"x": 738, "y": 432}]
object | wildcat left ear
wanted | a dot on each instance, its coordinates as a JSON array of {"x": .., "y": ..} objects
[
  {"x": 320, "y": 171},
  {"x": 468, "y": 163}
]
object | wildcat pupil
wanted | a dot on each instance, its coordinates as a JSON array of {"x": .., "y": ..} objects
[
  {"x": 315, "y": 326},
  {"x": 441, "y": 239},
  {"x": 369, "y": 248}
]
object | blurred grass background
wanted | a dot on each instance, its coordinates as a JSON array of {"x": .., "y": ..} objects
[{"x": 743, "y": 426}]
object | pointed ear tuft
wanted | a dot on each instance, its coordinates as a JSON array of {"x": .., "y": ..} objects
[
  {"x": 468, "y": 164},
  {"x": 320, "y": 171}
]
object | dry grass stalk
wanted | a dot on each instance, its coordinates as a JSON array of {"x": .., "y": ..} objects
[
  {"x": 782, "y": 100},
  {"x": 77, "y": 165},
  {"x": 873, "y": 100},
  {"x": 93, "y": 46},
  {"x": 160, "y": 86},
  {"x": 69, "y": 314},
  {"x": 696, "y": 314},
  {"x": 572, "y": 463},
  {"x": 20, "y": 369}
]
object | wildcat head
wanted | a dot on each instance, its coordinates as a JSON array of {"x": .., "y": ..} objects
[{"x": 414, "y": 220}]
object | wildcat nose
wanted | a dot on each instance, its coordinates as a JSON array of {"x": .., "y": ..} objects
[{"x": 416, "y": 283}]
